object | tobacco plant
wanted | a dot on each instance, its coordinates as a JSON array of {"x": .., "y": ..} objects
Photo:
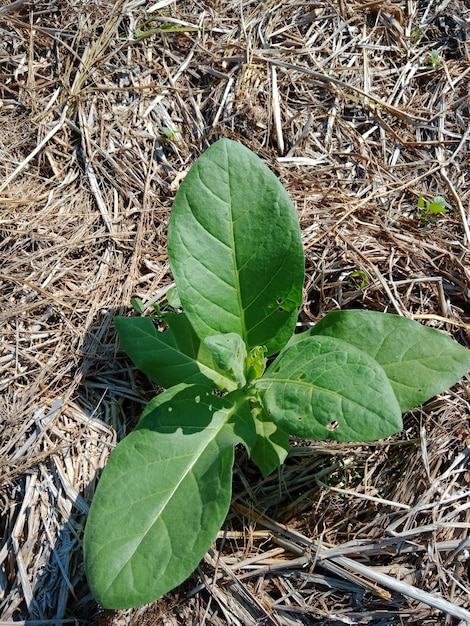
[{"x": 235, "y": 372}]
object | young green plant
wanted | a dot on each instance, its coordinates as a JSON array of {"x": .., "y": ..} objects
[
  {"x": 428, "y": 210},
  {"x": 235, "y": 372},
  {"x": 434, "y": 59}
]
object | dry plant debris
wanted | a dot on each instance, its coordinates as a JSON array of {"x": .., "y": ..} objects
[{"x": 360, "y": 107}]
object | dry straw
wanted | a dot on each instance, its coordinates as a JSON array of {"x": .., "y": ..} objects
[{"x": 104, "y": 106}]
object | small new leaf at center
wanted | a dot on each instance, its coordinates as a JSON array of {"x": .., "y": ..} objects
[{"x": 229, "y": 353}]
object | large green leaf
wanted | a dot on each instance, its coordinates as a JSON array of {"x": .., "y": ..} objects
[
  {"x": 163, "y": 495},
  {"x": 171, "y": 356},
  {"x": 235, "y": 249},
  {"x": 419, "y": 361},
  {"x": 324, "y": 388}
]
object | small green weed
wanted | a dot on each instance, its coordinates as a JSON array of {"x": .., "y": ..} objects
[
  {"x": 430, "y": 210},
  {"x": 434, "y": 59},
  {"x": 415, "y": 35},
  {"x": 358, "y": 280}
]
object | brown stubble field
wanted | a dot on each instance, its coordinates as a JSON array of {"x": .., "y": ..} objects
[{"x": 360, "y": 108}]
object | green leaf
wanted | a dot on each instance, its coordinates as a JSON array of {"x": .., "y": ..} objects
[
  {"x": 235, "y": 249},
  {"x": 255, "y": 363},
  {"x": 419, "y": 361},
  {"x": 171, "y": 356},
  {"x": 272, "y": 444},
  {"x": 173, "y": 298},
  {"x": 358, "y": 279},
  {"x": 325, "y": 388},
  {"x": 163, "y": 496},
  {"x": 138, "y": 305},
  {"x": 438, "y": 205},
  {"x": 229, "y": 354}
]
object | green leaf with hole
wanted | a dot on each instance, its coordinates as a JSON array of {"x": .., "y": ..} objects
[
  {"x": 419, "y": 361},
  {"x": 235, "y": 249},
  {"x": 325, "y": 388},
  {"x": 163, "y": 495},
  {"x": 171, "y": 356}
]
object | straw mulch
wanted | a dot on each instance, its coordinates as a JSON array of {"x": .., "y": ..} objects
[{"x": 360, "y": 107}]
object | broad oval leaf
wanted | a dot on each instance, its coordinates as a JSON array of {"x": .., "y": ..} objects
[
  {"x": 235, "y": 248},
  {"x": 324, "y": 388},
  {"x": 163, "y": 496},
  {"x": 171, "y": 356},
  {"x": 419, "y": 361}
]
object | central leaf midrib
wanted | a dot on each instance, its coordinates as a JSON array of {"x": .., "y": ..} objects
[{"x": 235, "y": 265}]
